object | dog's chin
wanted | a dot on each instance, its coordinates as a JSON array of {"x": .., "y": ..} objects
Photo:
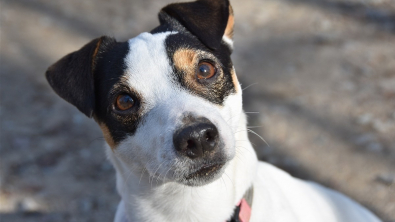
[{"x": 205, "y": 174}]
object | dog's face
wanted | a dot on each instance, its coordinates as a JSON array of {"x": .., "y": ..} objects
[{"x": 168, "y": 102}]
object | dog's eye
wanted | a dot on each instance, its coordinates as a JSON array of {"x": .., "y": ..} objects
[
  {"x": 205, "y": 70},
  {"x": 124, "y": 102}
]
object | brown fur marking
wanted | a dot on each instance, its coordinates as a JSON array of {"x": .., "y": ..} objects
[
  {"x": 229, "y": 26},
  {"x": 107, "y": 136},
  {"x": 235, "y": 80},
  {"x": 184, "y": 59},
  {"x": 95, "y": 54}
]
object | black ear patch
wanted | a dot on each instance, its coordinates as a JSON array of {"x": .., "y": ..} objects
[
  {"x": 72, "y": 77},
  {"x": 206, "y": 19}
]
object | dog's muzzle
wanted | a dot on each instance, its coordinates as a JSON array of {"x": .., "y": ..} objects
[{"x": 198, "y": 139}]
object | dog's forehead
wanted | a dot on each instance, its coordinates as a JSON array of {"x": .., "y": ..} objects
[
  {"x": 147, "y": 48},
  {"x": 159, "y": 64},
  {"x": 147, "y": 66}
]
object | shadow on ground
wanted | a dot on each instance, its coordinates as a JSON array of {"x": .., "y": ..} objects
[{"x": 324, "y": 93}]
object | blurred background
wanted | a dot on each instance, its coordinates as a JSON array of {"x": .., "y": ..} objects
[{"x": 319, "y": 87}]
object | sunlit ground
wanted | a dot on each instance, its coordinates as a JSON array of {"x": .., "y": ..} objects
[{"x": 319, "y": 79}]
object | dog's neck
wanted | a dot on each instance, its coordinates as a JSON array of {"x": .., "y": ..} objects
[{"x": 148, "y": 199}]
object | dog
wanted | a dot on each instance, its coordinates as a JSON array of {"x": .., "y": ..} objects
[{"x": 170, "y": 107}]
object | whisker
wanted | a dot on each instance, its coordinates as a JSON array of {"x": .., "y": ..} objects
[
  {"x": 223, "y": 180},
  {"x": 96, "y": 139},
  {"x": 141, "y": 176},
  {"x": 229, "y": 179},
  {"x": 154, "y": 175},
  {"x": 249, "y": 86},
  {"x": 245, "y": 148},
  {"x": 253, "y": 127},
  {"x": 251, "y": 131},
  {"x": 167, "y": 172}
]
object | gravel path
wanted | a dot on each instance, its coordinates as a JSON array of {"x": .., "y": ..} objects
[{"x": 319, "y": 79}]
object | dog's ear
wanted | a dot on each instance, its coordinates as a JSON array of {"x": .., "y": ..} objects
[
  {"x": 210, "y": 21},
  {"x": 72, "y": 77}
]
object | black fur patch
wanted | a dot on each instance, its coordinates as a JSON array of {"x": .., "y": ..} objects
[
  {"x": 91, "y": 79},
  {"x": 200, "y": 26},
  {"x": 109, "y": 84},
  {"x": 72, "y": 76},
  {"x": 214, "y": 91},
  {"x": 206, "y": 19}
]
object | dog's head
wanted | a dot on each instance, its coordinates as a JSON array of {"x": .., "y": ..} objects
[{"x": 168, "y": 102}]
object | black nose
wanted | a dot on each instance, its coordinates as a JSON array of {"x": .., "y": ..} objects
[{"x": 197, "y": 139}]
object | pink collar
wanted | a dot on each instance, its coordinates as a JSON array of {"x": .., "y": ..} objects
[
  {"x": 245, "y": 211},
  {"x": 242, "y": 212}
]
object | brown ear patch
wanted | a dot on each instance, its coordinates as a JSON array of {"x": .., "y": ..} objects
[
  {"x": 107, "y": 136},
  {"x": 95, "y": 53},
  {"x": 230, "y": 24}
]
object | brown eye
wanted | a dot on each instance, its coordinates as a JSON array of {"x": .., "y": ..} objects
[
  {"x": 205, "y": 70},
  {"x": 124, "y": 102}
]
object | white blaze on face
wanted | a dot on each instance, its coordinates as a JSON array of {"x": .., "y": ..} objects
[
  {"x": 164, "y": 102},
  {"x": 148, "y": 68}
]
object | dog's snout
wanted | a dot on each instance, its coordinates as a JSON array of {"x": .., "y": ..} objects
[{"x": 197, "y": 139}]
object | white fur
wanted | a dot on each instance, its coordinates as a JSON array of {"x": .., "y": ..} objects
[
  {"x": 146, "y": 163},
  {"x": 228, "y": 41}
]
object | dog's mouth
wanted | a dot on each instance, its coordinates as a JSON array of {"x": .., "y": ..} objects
[{"x": 206, "y": 170}]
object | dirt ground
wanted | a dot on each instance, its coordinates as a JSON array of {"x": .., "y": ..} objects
[{"x": 319, "y": 87}]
